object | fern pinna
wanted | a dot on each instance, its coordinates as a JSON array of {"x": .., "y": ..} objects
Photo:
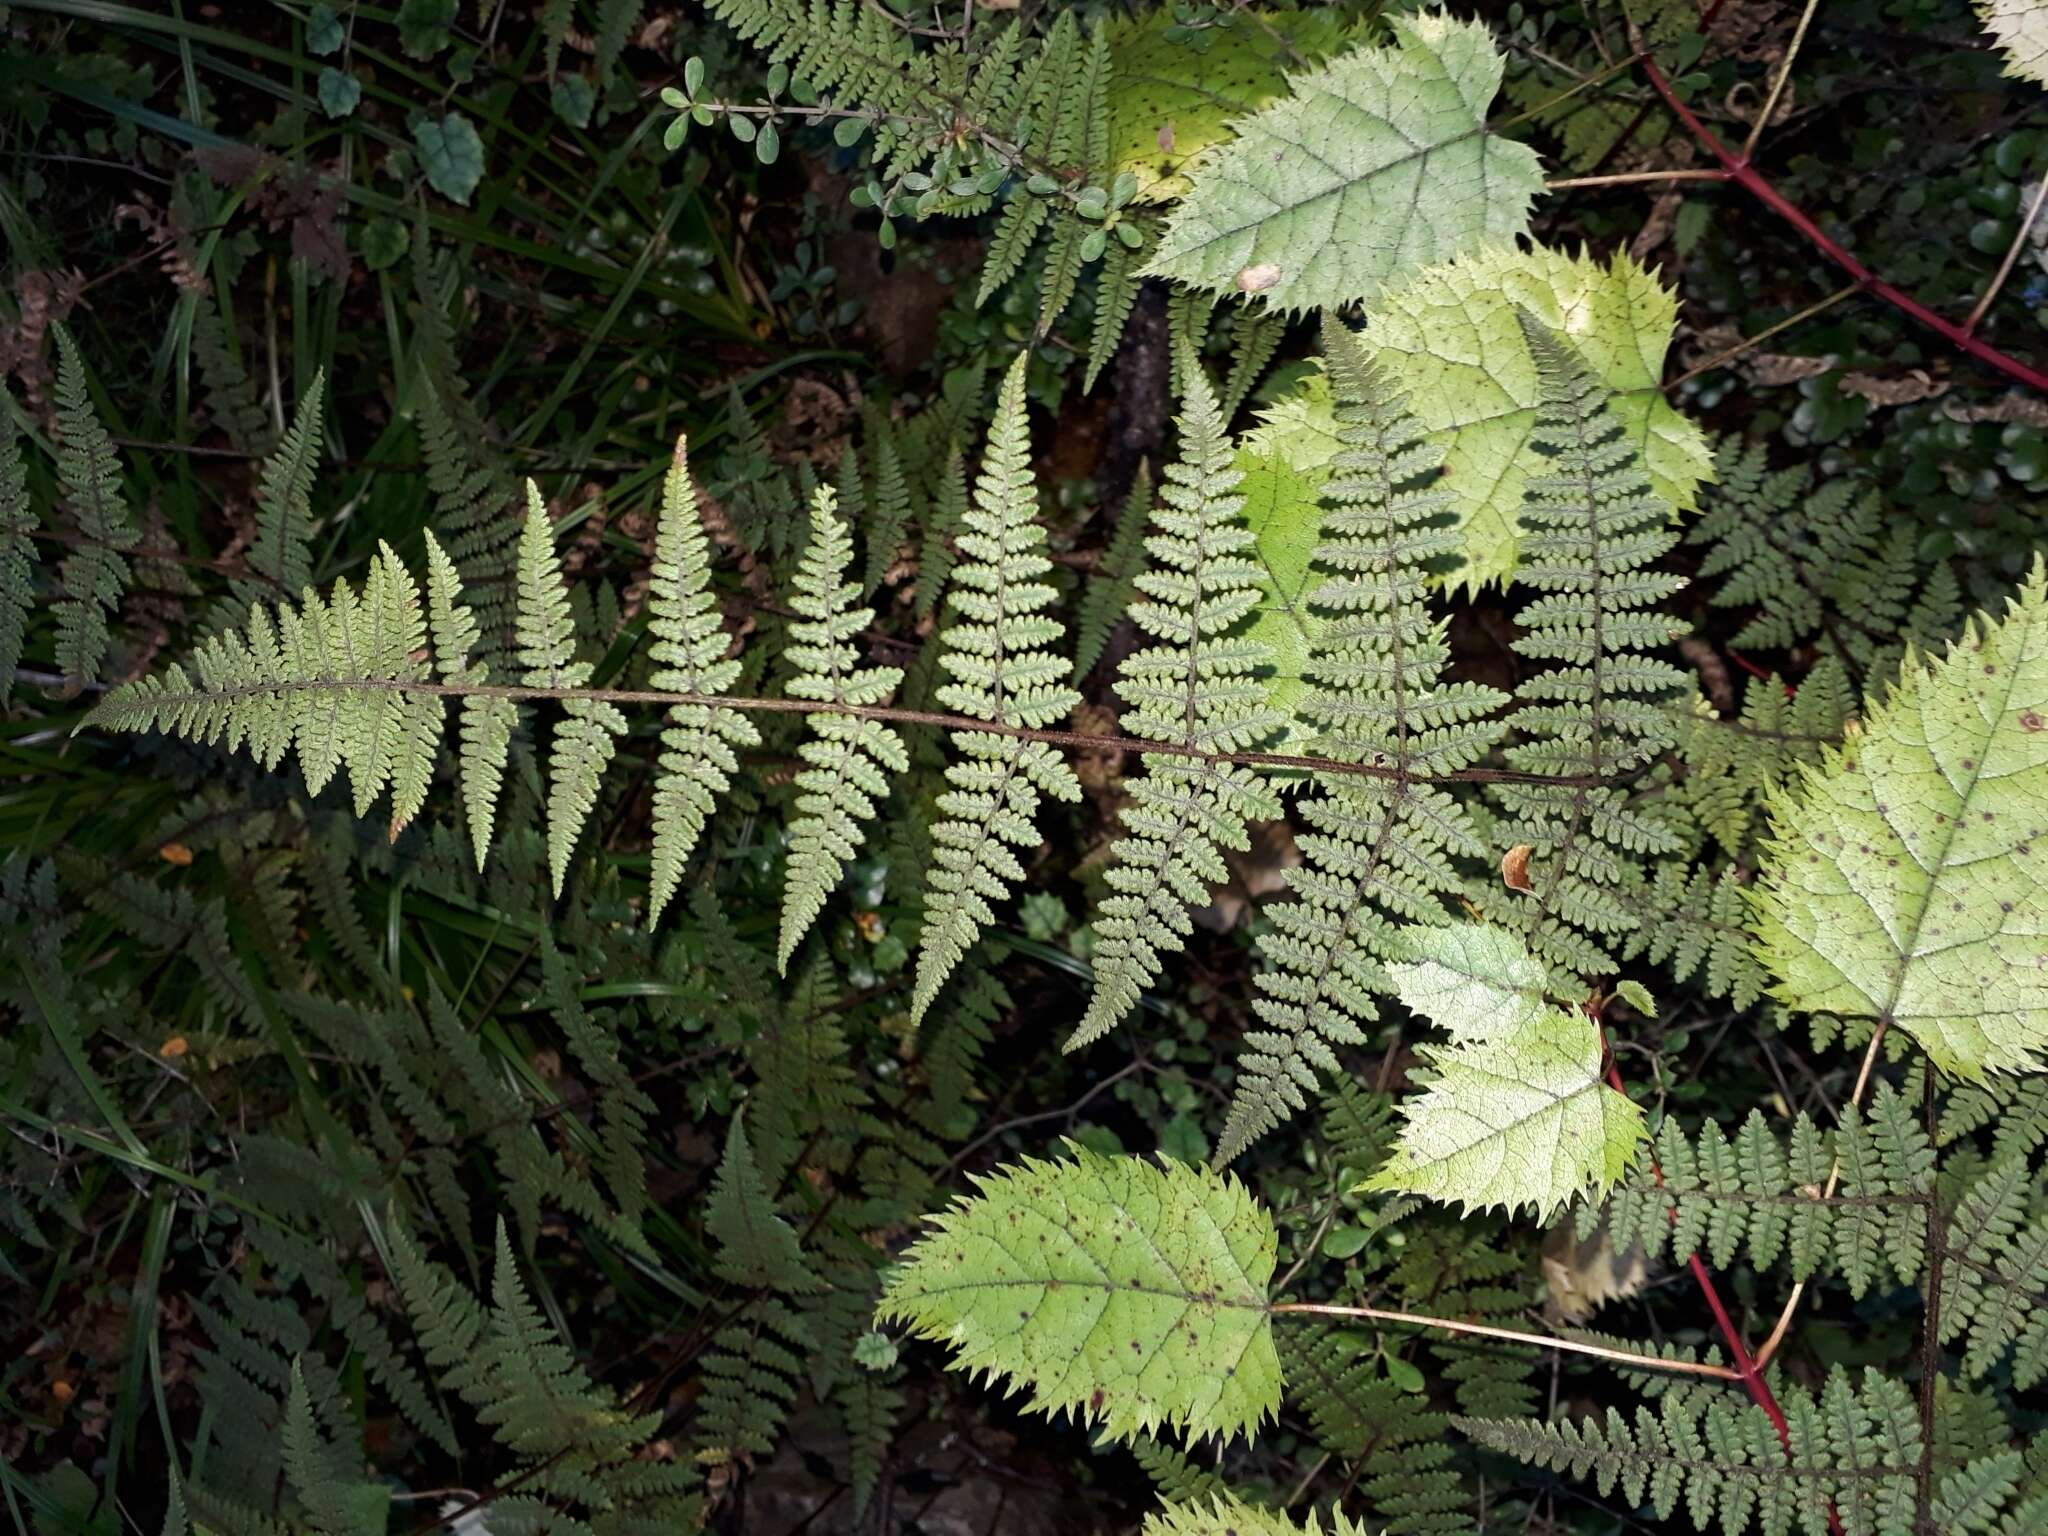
[
  {"x": 1001, "y": 669},
  {"x": 849, "y": 757},
  {"x": 1198, "y": 687}
]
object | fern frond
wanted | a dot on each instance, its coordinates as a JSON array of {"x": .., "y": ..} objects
[
  {"x": 1197, "y": 686},
  {"x": 998, "y": 656},
  {"x": 95, "y": 574},
  {"x": 849, "y": 757},
  {"x": 324, "y": 680},
  {"x": 1821, "y": 565},
  {"x": 1596, "y": 527},
  {"x": 756, "y": 1247},
  {"x": 889, "y": 517},
  {"x": 700, "y": 741},
  {"x": 1380, "y": 852}
]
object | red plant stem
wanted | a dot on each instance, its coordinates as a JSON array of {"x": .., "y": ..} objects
[
  {"x": 1759, "y": 1390},
  {"x": 1746, "y": 175}
]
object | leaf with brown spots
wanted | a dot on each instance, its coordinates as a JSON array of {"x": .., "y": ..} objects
[
  {"x": 1908, "y": 880},
  {"x": 1128, "y": 1293}
]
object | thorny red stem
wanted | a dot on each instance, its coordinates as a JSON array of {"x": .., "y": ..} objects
[{"x": 1741, "y": 172}]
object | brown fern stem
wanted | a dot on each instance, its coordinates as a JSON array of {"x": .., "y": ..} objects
[{"x": 1074, "y": 740}]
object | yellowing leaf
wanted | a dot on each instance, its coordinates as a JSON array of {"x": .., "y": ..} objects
[
  {"x": 1128, "y": 1293},
  {"x": 1412, "y": 178},
  {"x": 1175, "y": 94},
  {"x": 1450, "y": 340},
  {"x": 1908, "y": 876}
]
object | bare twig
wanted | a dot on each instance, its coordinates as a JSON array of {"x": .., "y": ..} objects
[
  {"x": 1751, "y": 343},
  {"x": 1756, "y": 129},
  {"x": 2012, "y": 252},
  {"x": 1629, "y": 178},
  {"x": 1512, "y": 1336}
]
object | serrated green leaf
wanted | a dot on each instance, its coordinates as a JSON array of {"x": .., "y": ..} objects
[
  {"x": 1451, "y": 342},
  {"x": 1168, "y": 101},
  {"x": 1517, "y": 1114},
  {"x": 1907, "y": 878},
  {"x": 1474, "y": 980},
  {"x": 1129, "y": 1293},
  {"x": 1306, "y": 217},
  {"x": 2021, "y": 27},
  {"x": 452, "y": 156},
  {"x": 1231, "y": 1516}
]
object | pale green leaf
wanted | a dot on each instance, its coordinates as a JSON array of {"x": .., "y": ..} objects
[
  {"x": 1308, "y": 217},
  {"x": 2021, "y": 27},
  {"x": 1908, "y": 876},
  {"x": 1517, "y": 1114},
  {"x": 1451, "y": 342},
  {"x": 1474, "y": 980},
  {"x": 1129, "y": 1293},
  {"x": 1231, "y": 1516},
  {"x": 1169, "y": 99}
]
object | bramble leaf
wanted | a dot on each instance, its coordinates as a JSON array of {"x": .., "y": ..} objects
[
  {"x": 1170, "y": 100},
  {"x": 2021, "y": 27},
  {"x": 1517, "y": 1114},
  {"x": 1305, "y": 217},
  {"x": 1908, "y": 876},
  {"x": 1128, "y": 1293}
]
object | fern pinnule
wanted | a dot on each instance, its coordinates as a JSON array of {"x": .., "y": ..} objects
[
  {"x": 1378, "y": 852},
  {"x": 586, "y": 735},
  {"x": 700, "y": 742},
  {"x": 849, "y": 757},
  {"x": 1197, "y": 686},
  {"x": 1001, "y": 666}
]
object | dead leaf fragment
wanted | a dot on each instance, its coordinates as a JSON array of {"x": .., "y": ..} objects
[
  {"x": 1514, "y": 868},
  {"x": 1584, "y": 1274}
]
